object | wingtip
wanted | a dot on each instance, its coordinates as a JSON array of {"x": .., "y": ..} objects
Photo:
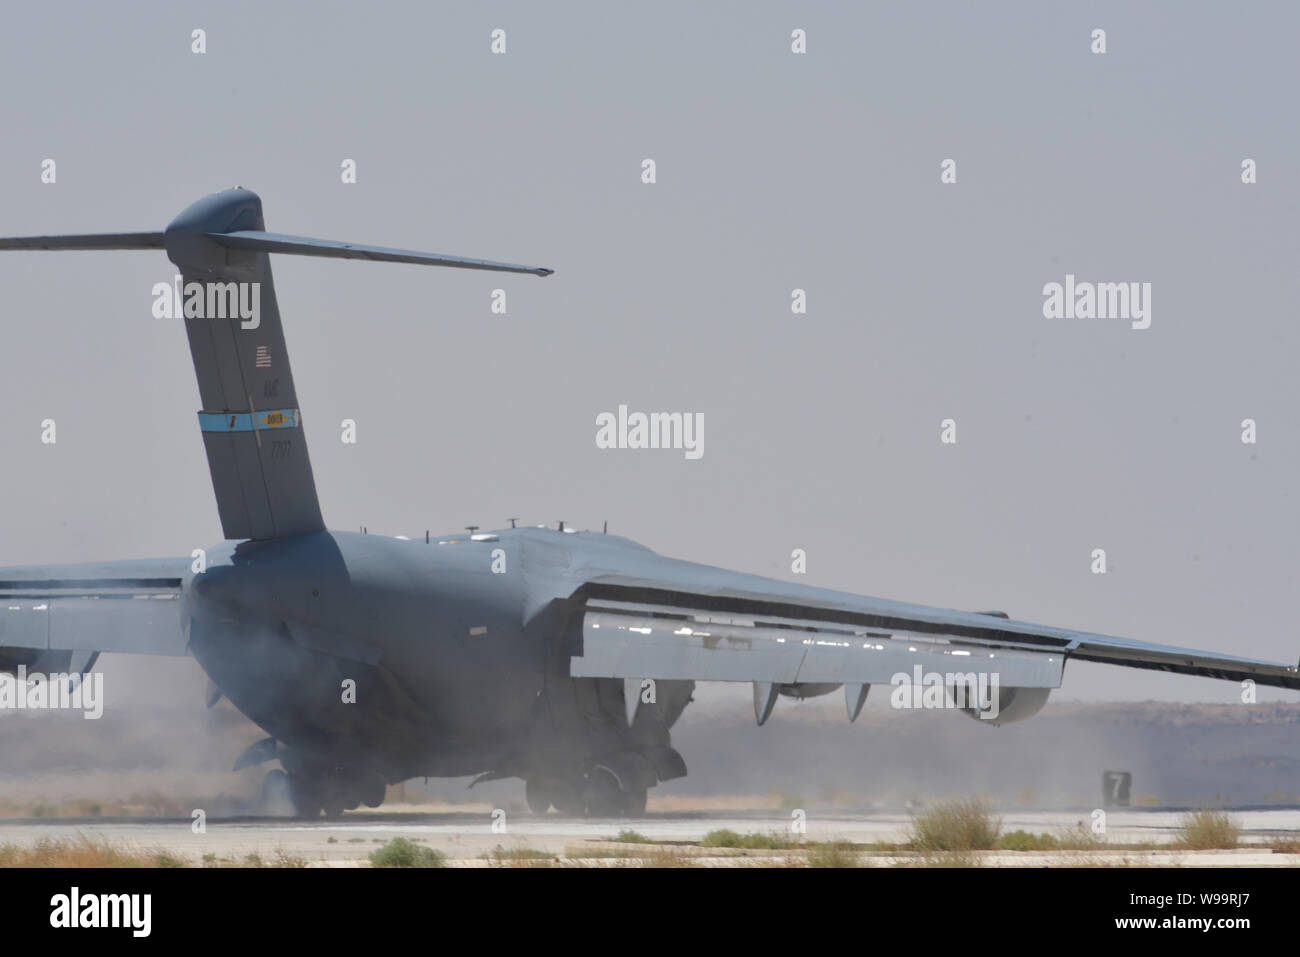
[{"x": 543, "y": 271}]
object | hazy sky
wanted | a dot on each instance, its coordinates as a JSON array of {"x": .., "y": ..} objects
[{"x": 775, "y": 172}]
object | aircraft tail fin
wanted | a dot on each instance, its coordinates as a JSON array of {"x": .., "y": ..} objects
[{"x": 250, "y": 419}]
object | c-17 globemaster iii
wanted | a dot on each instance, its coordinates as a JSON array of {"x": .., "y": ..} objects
[{"x": 558, "y": 656}]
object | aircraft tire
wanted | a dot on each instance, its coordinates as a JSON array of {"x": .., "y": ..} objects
[
  {"x": 603, "y": 797},
  {"x": 275, "y": 790},
  {"x": 304, "y": 795},
  {"x": 538, "y": 796},
  {"x": 634, "y": 802},
  {"x": 567, "y": 798},
  {"x": 335, "y": 797}
]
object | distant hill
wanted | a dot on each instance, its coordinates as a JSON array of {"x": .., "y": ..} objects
[{"x": 1179, "y": 754}]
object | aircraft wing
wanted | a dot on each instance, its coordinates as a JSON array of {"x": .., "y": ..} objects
[
  {"x": 128, "y": 606},
  {"x": 654, "y": 617}
]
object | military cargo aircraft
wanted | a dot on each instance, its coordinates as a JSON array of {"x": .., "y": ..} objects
[{"x": 558, "y": 656}]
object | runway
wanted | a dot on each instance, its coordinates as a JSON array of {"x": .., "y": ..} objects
[{"x": 477, "y": 837}]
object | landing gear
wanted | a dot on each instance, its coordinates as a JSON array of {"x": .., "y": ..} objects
[
  {"x": 596, "y": 795},
  {"x": 332, "y": 805},
  {"x": 275, "y": 793},
  {"x": 538, "y": 796},
  {"x": 604, "y": 799},
  {"x": 634, "y": 802},
  {"x": 373, "y": 790},
  {"x": 305, "y": 796},
  {"x": 314, "y": 788},
  {"x": 568, "y": 798}
]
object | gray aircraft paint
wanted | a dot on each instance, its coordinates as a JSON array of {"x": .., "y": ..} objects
[{"x": 457, "y": 669}]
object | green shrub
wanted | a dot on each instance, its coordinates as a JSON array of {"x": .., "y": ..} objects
[
  {"x": 400, "y": 852},
  {"x": 1025, "y": 841},
  {"x": 753, "y": 842}
]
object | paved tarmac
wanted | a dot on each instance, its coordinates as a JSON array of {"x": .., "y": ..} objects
[{"x": 470, "y": 835}]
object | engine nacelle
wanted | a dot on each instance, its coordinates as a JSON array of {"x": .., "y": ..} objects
[{"x": 1013, "y": 704}]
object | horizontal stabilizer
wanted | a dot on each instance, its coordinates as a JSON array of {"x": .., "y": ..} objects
[
  {"x": 249, "y": 417},
  {"x": 87, "y": 241},
  {"x": 330, "y": 249}
]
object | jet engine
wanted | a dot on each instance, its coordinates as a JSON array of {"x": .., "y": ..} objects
[{"x": 1013, "y": 704}]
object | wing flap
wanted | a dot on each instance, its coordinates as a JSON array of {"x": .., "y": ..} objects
[
  {"x": 658, "y": 588},
  {"x": 696, "y": 646},
  {"x": 129, "y": 607}
]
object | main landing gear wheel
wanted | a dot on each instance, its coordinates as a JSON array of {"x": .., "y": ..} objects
[
  {"x": 567, "y": 797},
  {"x": 634, "y": 802},
  {"x": 605, "y": 798},
  {"x": 275, "y": 792},
  {"x": 304, "y": 794},
  {"x": 373, "y": 790},
  {"x": 597, "y": 794},
  {"x": 316, "y": 787},
  {"x": 538, "y": 796}
]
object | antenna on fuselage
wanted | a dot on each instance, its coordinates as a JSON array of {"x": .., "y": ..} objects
[{"x": 512, "y": 521}]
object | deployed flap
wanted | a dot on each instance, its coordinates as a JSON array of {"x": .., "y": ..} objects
[
  {"x": 131, "y": 607},
  {"x": 646, "y": 616},
  {"x": 619, "y": 642}
]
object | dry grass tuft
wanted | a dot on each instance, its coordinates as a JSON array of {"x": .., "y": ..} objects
[
  {"x": 1209, "y": 830},
  {"x": 958, "y": 825},
  {"x": 833, "y": 854},
  {"x": 1285, "y": 844},
  {"x": 520, "y": 856},
  {"x": 81, "y": 851}
]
